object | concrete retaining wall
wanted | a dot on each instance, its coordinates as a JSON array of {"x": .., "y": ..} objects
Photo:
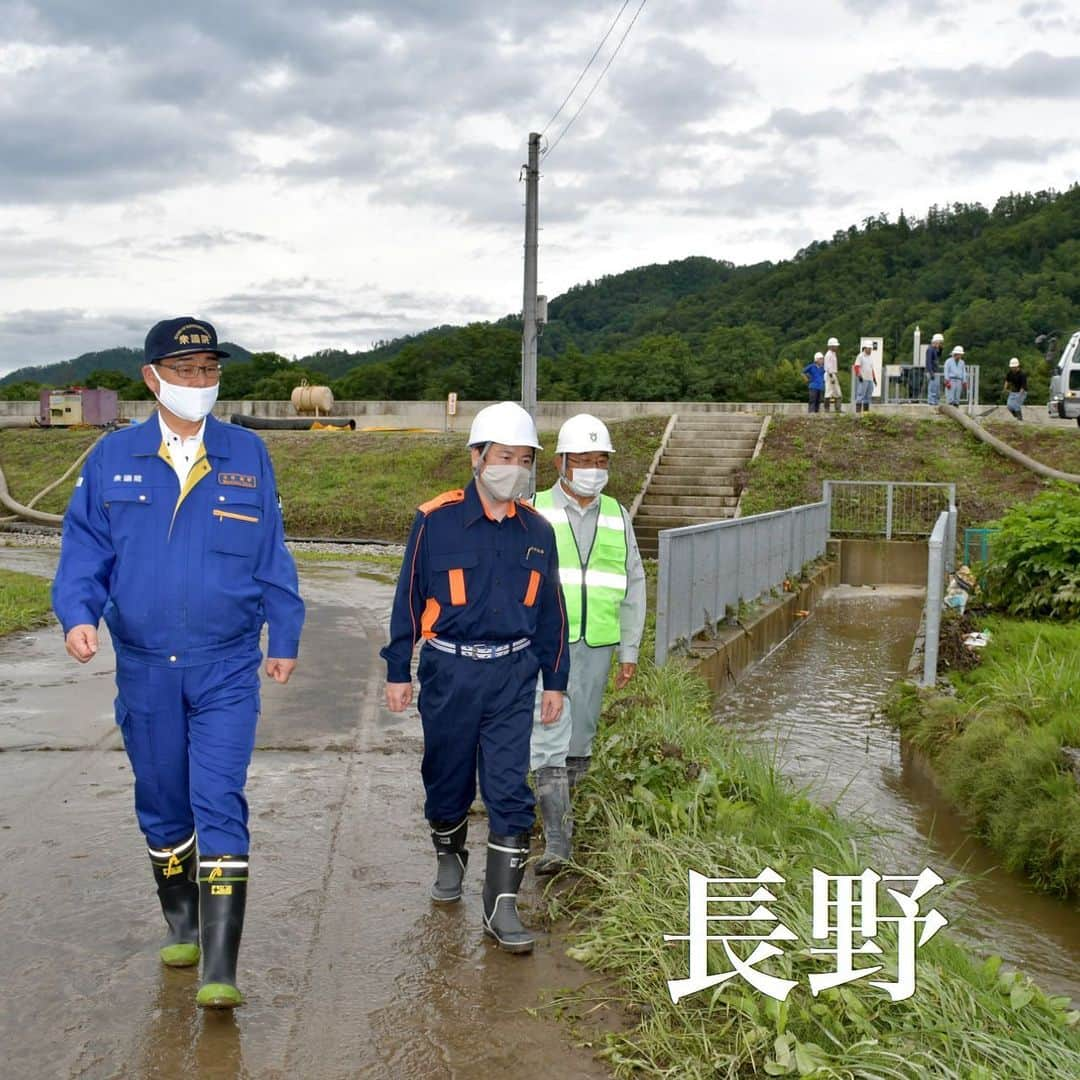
[
  {"x": 881, "y": 562},
  {"x": 721, "y": 660}
]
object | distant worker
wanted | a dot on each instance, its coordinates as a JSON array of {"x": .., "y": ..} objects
[
  {"x": 955, "y": 376},
  {"x": 603, "y": 584},
  {"x": 814, "y": 374},
  {"x": 933, "y": 370},
  {"x": 1016, "y": 384},
  {"x": 174, "y": 536},
  {"x": 832, "y": 377},
  {"x": 865, "y": 379},
  {"x": 479, "y": 586}
]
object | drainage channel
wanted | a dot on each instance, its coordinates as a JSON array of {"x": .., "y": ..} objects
[{"x": 816, "y": 704}]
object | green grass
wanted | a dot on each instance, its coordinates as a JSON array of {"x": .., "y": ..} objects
[
  {"x": 33, "y": 459},
  {"x": 24, "y": 601},
  {"x": 996, "y": 746},
  {"x": 670, "y": 791},
  {"x": 341, "y": 484},
  {"x": 801, "y": 452}
]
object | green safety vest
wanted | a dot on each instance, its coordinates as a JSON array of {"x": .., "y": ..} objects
[{"x": 593, "y": 596}]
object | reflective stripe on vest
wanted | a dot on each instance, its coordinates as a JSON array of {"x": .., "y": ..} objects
[{"x": 599, "y": 588}]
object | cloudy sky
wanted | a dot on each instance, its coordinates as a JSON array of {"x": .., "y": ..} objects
[{"x": 336, "y": 172}]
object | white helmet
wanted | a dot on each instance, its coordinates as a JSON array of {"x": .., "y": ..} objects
[
  {"x": 832, "y": 343},
  {"x": 819, "y": 356},
  {"x": 507, "y": 423},
  {"x": 1014, "y": 362},
  {"x": 582, "y": 434},
  {"x": 958, "y": 351},
  {"x": 937, "y": 339}
]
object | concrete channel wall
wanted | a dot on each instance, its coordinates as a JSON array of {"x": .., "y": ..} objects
[{"x": 722, "y": 659}]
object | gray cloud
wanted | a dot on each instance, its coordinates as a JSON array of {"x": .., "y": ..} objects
[
  {"x": 1033, "y": 76},
  {"x": 48, "y": 336},
  {"x": 991, "y": 152}
]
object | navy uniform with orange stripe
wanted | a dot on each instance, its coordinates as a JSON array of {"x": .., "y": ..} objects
[{"x": 469, "y": 581}]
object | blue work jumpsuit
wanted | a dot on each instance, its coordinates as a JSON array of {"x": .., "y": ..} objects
[
  {"x": 468, "y": 579},
  {"x": 185, "y": 580}
]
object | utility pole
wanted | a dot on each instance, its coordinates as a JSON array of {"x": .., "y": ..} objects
[{"x": 528, "y": 310}]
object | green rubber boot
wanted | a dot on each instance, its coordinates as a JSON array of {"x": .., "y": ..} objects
[
  {"x": 178, "y": 891},
  {"x": 222, "y": 898}
]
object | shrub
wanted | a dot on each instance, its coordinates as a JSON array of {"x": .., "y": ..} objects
[{"x": 1034, "y": 566}]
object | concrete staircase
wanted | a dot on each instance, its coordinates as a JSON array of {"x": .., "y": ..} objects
[{"x": 695, "y": 481}]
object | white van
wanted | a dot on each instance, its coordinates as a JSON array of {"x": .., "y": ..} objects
[{"x": 1065, "y": 384}]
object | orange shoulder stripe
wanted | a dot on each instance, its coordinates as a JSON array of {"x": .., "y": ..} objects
[{"x": 447, "y": 498}]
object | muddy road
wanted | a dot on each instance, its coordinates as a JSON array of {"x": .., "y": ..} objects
[{"x": 347, "y": 967}]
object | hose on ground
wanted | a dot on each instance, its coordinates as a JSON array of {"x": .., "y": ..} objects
[
  {"x": 1005, "y": 449},
  {"x": 27, "y": 512}
]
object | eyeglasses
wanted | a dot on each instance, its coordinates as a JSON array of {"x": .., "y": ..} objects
[{"x": 188, "y": 369}]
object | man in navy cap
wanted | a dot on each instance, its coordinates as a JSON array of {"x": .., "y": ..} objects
[{"x": 173, "y": 535}]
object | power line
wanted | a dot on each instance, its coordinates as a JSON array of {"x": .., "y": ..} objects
[
  {"x": 599, "y": 79},
  {"x": 581, "y": 76}
]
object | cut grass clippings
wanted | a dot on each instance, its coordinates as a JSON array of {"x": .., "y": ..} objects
[
  {"x": 669, "y": 792},
  {"x": 338, "y": 484},
  {"x": 997, "y": 746},
  {"x": 801, "y": 452},
  {"x": 24, "y": 601}
]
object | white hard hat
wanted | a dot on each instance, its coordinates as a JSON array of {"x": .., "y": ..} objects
[
  {"x": 936, "y": 338},
  {"x": 958, "y": 351},
  {"x": 507, "y": 423},
  {"x": 583, "y": 433},
  {"x": 819, "y": 356},
  {"x": 832, "y": 343},
  {"x": 1014, "y": 362}
]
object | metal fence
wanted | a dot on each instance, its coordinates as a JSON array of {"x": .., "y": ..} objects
[
  {"x": 887, "y": 508},
  {"x": 905, "y": 385},
  {"x": 705, "y": 570},
  {"x": 939, "y": 564}
]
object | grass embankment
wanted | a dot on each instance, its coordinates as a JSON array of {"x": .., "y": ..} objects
[
  {"x": 670, "y": 791},
  {"x": 340, "y": 484},
  {"x": 24, "y": 601},
  {"x": 801, "y": 452},
  {"x": 996, "y": 746}
]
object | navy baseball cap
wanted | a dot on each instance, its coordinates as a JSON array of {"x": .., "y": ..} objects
[{"x": 181, "y": 337}]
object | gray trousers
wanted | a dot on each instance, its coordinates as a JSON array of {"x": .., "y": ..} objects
[{"x": 573, "y": 733}]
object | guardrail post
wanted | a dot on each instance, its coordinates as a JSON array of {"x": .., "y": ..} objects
[
  {"x": 888, "y": 510},
  {"x": 935, "y": 589},
  {"x": 663, "y": 597}
]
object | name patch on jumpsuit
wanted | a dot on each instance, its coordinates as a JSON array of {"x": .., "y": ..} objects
[{"x": 235, "y": 479}]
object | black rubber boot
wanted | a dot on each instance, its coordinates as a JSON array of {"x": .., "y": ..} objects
[
  {"x": 222, "y": 896},
  {"x": 576, "y": 768},
  {"x": 449, "y": 841},
  {"x": 178, "y": 891},
  {"x": 553, "y": 797},
  {"x": 506, "y": 856}
]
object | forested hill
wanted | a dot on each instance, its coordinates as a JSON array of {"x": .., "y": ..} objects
[
  {"x": 699, "y": 329},
  {"x": 121, "y": 361}
]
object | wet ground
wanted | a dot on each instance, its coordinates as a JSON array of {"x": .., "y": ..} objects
[
  {"x": 348, "y": 969},
  {"x": 816, "y": 700}
]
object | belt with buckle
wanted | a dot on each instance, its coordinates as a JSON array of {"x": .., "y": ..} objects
[{"x": 481, "y": 650}]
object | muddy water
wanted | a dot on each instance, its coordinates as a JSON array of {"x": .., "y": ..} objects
[
  {"x": 815, "y": 701},
  {"x": 348, "y": 969}
]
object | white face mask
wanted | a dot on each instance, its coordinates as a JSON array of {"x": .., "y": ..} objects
[
  {"x": 188, "y": 402},
  {"x": 506, "y": 482},
  {"x": 588, "y": 483}
]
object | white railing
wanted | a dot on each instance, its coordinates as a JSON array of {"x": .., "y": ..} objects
[
  {"x": 940, "y": 563},
  {"x": 706, "y": 571}
]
